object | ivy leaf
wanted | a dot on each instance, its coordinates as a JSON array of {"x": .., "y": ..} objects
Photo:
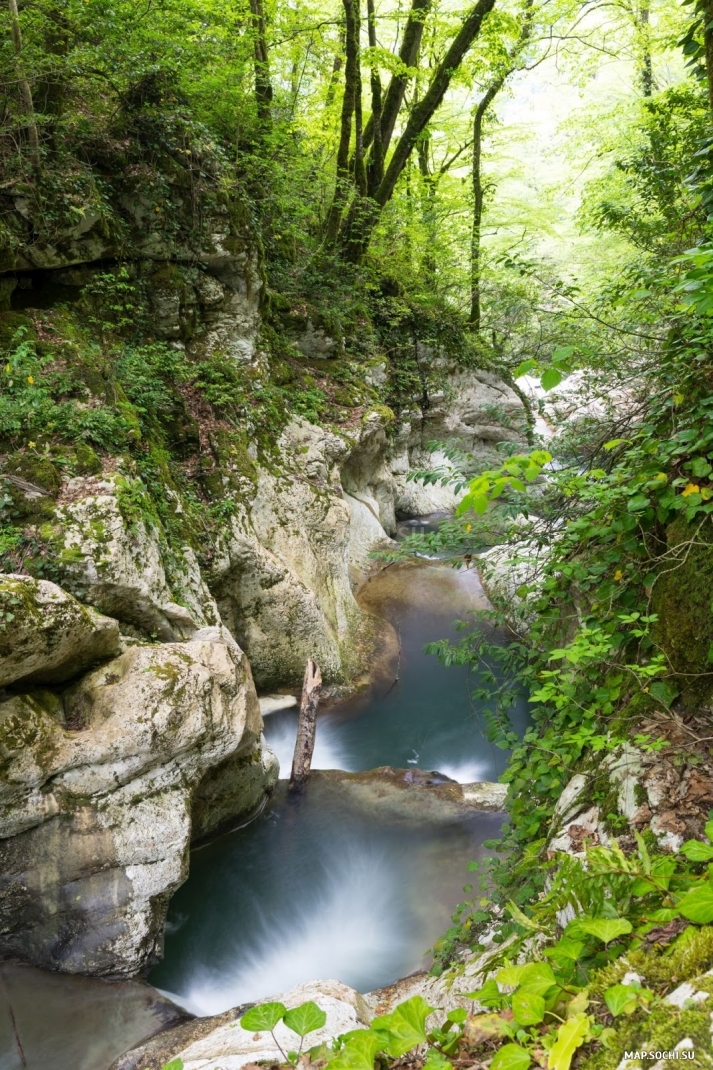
[
  {"x": 528, "y": 1007},
  {"x": 700, "y": 467},
  {"x": 359, "y": 1051},
  {"x": 663, "y": 691},
  {"x": 621, "y": 999},
  {"x": 565, "y": 950},
  {"x": 405, "y": 1027},
  {"x": 697, "y": 905},
  {"x": 637, "y": 503},
  {"x": 570, "y": 1036},
  {"x": 605, "y": 929},
  {"x": 305, "y": 1018},
  {"x": 510, "y": 1057},
  {"x": 436, "y": 1060},
  {"x": 534, "y": 976},
  {"x": 696, "y": 851},
  {"x": 264, "y": 1017},
  {"x": 175, "y": 1064}
]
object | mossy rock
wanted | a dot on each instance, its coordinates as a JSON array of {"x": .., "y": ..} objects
[
  {"x": 347, "y": 396},
  {"x": 41, "y": 473},
  {"x": 10, "y": 324},
  {"x": 682, "y": 600},
  {"x": 86, "y": 461},
  {"x": 281, "y": 373}
]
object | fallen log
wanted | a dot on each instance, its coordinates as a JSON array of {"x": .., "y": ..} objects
[{"x": 306, "y": 727}]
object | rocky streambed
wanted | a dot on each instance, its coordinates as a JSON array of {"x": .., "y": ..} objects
[{"x": 354, "y": 881}]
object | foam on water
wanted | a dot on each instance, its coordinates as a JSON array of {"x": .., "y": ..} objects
[
  {"x": 355, "y": 927},
  {"x": 330, "y": 751}
]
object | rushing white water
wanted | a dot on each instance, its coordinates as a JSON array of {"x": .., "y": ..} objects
[
  {"x": 355, "y": 925},
  {"x": 330, "y": 751}
]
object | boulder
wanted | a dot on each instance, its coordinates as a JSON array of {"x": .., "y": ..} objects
[
  {"x": 219, "y": 1042},
  {"x": 113, "y": 554},
  {"x": 96, "y": 798},
  {"x": 46, "y": 635}
]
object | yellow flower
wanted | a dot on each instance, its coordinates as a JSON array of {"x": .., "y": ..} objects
[
  {"x": 31, "y": 445},
  {"x": 31, "y": 380},
  {"x": 8, "y": 369},
  {"x": 690, "y": 488},
  {"x": 469, "y": 527},
  {"x": 618, "y": 575}
]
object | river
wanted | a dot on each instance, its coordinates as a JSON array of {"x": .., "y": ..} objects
[{"x": 323, "y": 886}]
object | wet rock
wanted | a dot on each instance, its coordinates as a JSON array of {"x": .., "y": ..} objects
[
  {"x": 112, "y": 553},
  {"x": 220, "y": 1043},
  {"x": 46, "y": 635},
  {"x": 416, "y": 794},
  {"x": 97, "y": 794}
]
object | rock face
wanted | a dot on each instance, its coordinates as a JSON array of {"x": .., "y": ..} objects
[
  {"x": 48, "y": 635},
  {"x": 664, "y": 792},
  {"x": 219, "y": 1043},
  {"x": 96, "y": 795}
]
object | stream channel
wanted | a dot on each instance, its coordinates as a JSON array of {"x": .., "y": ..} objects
[{"x": 331, "y": 884}]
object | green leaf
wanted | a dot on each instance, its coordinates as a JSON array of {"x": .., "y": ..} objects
[
  {"x": 524, "y": 369},
  {"x": 563, "y": 353},
  {"x": 700, "y": 467},
  {"x": 457, "y": 1016},
  {"x": 550, "y": 378},
  {"x": 359, "y": 1051},
  {"x": 510, "y": 1057},
  {"x": 436, "y": 1060},
  {"x": 697, "y": 905},
  {"x": 405, "y": 1027},
  {"x": 534, "y": 976},
  {"x": 621, "y": 999},
  {"x": 696, "y": 851},
  {"x": 637, "y": 503},
  {"x": 570, "y": 1036},
  {"x": 528, "y": 1007},
  {"x": 565, "y": 950},
  {"x": 175, "y": 1064},
  {"x": 305, "y": 1018},
  {"x": 522, "y": 919},
  {"x": 663, "y": 692},
  {"x": 264, "y": 1017},
  {"x": 488, "y": 995},
  {"x": 605, "y": 929}
]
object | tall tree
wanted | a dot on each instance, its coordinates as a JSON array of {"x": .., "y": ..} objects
[
  {"x": 507, "y": 68},
  {"x": 261, "y": 57},
  {"x": 29, "y": 117},
  {"x": 357, "y": 230}
]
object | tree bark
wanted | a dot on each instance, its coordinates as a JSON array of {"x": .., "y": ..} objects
[
  {"x": 478, "y": 194},
  {"x": 33, "y": 136},
  {"x": 261, "y": 59},
  {"x": 408, "y": 54},
  {"x": 376, "y": 162},
  {"x": 707, "y": 11},
  {"x": 306, "y": 727},
  {"x": 351, "y": 78},
  {"x": 477, "y": 173},
  {"x": 646, "y": 71},
  {"x": 355, "y": 242}
]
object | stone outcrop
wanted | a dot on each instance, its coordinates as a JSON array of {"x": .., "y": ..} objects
[
  {"x": 96, "y": 795},
  {"x": 46, "y": 635},
  {"x": 667, "y": 792},
  {"x": 219, "y": 1043}
]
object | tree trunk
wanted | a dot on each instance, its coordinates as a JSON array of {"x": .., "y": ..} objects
[
  {"x": 646, "y": 72},
  {"x": 355, "y": 243},
  {"x": 475, "y": 234},
  {"x": 408, "y": 54},
  {"x": 306, "y": 727},
  {"x": 351, "y": 79},
  {"x": 263, "y": 85},
  {"x": 25, "y": 92},
  {"x": 376, "y": 162}
]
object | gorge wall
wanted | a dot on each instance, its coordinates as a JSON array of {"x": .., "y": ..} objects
[{"x": 147, "y": 590}]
